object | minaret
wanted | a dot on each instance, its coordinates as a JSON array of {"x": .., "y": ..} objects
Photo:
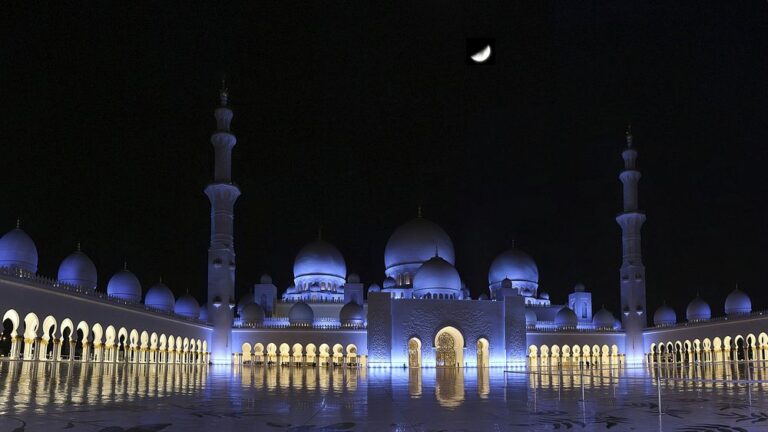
[
  {"x": 221, "y": 253},
  {"x": 632, "y": 269}
]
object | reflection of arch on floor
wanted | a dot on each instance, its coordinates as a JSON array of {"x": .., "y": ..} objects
[{"x": 729, "y": 348}]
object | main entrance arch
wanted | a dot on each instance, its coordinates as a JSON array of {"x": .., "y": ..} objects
[{"x": 449, "y": 348}]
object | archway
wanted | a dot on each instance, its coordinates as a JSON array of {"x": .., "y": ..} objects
[
  {"x": 338, "y": 354},
  {"x": 66, "y": 336},
  {"x": 351, "y": 355},
  {"x": 285, "y": 354},
  {"x": 298, "y": 357},
  {"x": 271, "y": 353},
  {"x": 246, "y": 353},
  {"x": 414, "y": 352},
  {"x": 483, "y": 353},
  {"x": 324, "y": 354},
  {"x": 311, "y": 354},
  {"x": 6, "y": 339},
  {"x": 449, "y": 348}
]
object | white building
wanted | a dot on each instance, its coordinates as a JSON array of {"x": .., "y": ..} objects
[{"x": 422, "y": 315}]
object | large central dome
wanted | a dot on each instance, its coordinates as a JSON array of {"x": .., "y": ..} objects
[
  {"x": 515, "y": 265},
  {"x": 414, "y": 243},
  {"x": 319, "y": 258}
]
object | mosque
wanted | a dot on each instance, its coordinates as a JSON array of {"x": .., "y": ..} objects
[{"x": 422, "y": 314}]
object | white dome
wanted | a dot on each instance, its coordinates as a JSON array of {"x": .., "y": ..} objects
[
  {"x": 187, "y": 307},
  {"x": 252, "y": 314},
  {"x": 301, "y": 315},
  {"x": 544, "y": 295},
  {"x": 389, "y": 282},
  {"x": 352, "y": 314},
  {"x": 265, "y": 279},
  {"x": 437, "y": 273},
  {"x": 515, "y": 265},
  {"x": 374, "y": 288},
  {"x": 603, "y": 319},
  {"x": 415, "y": 241},
  {"x": 664, "y": 316},
  {"x": 18, "y": 250},
  {"x": 738, "y": 303},
  {"x": 124, "y": 285},
  {"x": 530, "y": 317},
  {"x": 78, "y": 270},
  {"x": 566, "y": 318},
  {"x": 319, "y": 258},
  {"x": 160, "y": 297},
  {"x": 698, "y": 310}
]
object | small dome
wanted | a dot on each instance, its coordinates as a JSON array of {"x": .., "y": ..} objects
[
  {"x": 579, "y": 287},
  {"x": 203, "y": 313},
  {"x": 187, "y": 307},
  {"x": 437, "y": 273},
  {"x": 374, "y": 288},
  {"x": 352, "y": 315},
  {"x": 664, "y": 316},
  {"x": 353, "y": 278},
  {"x": 415, "y": 241},
  {"x": 483, "y": 296},
  {"x": 738, "y": 303},
  {"x": 160, "y": 297},
  {"x": 389, "y": 282},
  {"x": 530, "y": 317},
  {"x": 301, "y": 315},
  {"x": 245, "y": 301},
  {"x": 566, "y": 318},
  {"x": 506, "y": 283},
  {"x": 18, "y": 250},
  {"x": 319, "y": 258},
  {"x": 513, "y": 264},
  {"x": 124, "y": 285},
  {"x": 603, "y": 319},
  {"x": 78, "y": 270},
  {"x": 252, "y": 314},
  {"x": 291, "y": 289},
  {"x": 617, "y": 324},
  {"x": 698, "y": 310},
  {"x": 544, "y": 295},
  {"x": 265, "y": 279}
]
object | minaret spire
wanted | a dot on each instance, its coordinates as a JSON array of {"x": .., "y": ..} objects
[
  {"x": 632, "y": 272},
  {"x": 222, "y": 194}
]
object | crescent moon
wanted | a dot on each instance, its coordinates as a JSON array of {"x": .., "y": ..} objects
[{"x": 482, "y": 55}]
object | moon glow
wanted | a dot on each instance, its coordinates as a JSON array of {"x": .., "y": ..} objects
[{"x": 482, "y": 55}]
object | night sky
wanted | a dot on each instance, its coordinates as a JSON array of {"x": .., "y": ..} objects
[{"x": 349, "y": 117}]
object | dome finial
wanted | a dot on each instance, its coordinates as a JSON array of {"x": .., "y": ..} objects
[
  {"x": 161, "y": 279},
  {"x": 513, "y": 243},
  {"x": 418, "y": 211},
  {"x": 629, "y": 135},
  {"x": 125, "y": 265},
  {"x": 78, "y": 246},
  {"x": 319, "y": 232},
  {"x": 224, "y": 92},
  {"x": 437, "y": 252},
  {"x": 18, "y": 223}
]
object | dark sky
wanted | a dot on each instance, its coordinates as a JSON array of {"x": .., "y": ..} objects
[{"x": 351, "y": 116}]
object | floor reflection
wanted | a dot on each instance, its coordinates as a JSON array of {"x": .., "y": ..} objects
[
  {"x": 248, "y": 392},
  {"x": 35, "y": 385}
]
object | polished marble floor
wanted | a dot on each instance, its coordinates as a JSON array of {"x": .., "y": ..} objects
[{"x": 137, "y": 398}]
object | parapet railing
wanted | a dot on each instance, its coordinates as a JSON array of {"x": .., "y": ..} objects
[
  {"x": 284, "y": 323},
  {"x": 16, "y": 274},
  {"x": 551, "y": 327}
]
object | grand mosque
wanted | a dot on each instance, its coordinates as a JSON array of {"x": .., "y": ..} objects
[{"x": 420, "y": 315}]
